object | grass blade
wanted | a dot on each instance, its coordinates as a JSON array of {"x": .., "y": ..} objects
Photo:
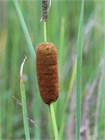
[
  {"x": 0, "y": 121},
  {"x": 79, "y": 74},
  {"x": 28, "y": 39},
  {"x": 73, "y": 75},
  {"x": 24, "y": 105}
]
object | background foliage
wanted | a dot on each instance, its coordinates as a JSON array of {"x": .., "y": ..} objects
[{"x": 62, "y": 30}]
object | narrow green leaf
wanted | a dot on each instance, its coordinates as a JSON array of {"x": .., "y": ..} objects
[
  {"x": 25, "y": 30},
  {"x": 24, "y": 104},
  {"x": 79, "y": 73}
]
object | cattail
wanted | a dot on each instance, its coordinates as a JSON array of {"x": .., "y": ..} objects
[
  {"x": 44, "y": 9},
  {"x": 47, "y": 72}
]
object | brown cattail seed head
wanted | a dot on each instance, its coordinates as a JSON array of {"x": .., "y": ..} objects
[
  {"x": 44, "y": 9},
  {"x": 47, "y": 71}
]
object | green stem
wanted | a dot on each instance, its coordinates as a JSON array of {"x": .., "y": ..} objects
[
  {"x": 0, "y": 120},
  {"x": 54, "y": 122},
  {"x": 51, "y": 106},
  {"x": 45, "y": 32},
  {"x": 24, "y": 27}
]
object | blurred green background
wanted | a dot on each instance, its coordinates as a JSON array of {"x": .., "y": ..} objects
[{"x": 62, "y": 30}]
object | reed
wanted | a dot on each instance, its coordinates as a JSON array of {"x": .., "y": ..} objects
[
  {"x": 24, "y": 104},
  {"x": 25, "y": 30},
  {"x": 79, "y": 73},
  {"x": 20, "y": 33}
]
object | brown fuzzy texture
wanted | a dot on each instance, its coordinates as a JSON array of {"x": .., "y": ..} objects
[
  {"x": 44, "y": 9},
  {"x": 47, "y": 72}
]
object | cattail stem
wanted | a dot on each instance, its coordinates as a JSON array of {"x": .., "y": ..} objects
[
  {"x": 54, "y": 122},
  {"x": 51, "y": 105},
  {"x": 45, "y": 32}
]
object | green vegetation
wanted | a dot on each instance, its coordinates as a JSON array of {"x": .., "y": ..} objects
[
  {"x": 81, "y": 69},
  {"x": 79, "y": 73},
  {"x": 24, "y": 104}
]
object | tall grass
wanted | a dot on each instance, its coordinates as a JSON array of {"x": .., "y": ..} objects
[
  {"x": 24, "y": 104},
  {"x": 20, "y": 33},
  {"x": 71, "y": 83},
  {"x": 101, "y": 109},
  {"x": 0, "y": 121},
  {"x": 21, "y": 19},
  {"x": 79, "y": 73}
]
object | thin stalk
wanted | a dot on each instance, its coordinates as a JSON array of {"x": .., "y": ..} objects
[
  {"x": 45, "y": 32},
  {"x": 73, "y": 75},
  {"x": 51, "y": 106},
  {"x": 24, "y": 105},
  {"x": 24, "y": 27},
  {"x": 101, "y": 123},
  {"x": 79, "y": 74},
  {"x": 61, "y": 42},
  {"x": 54, "y": 122},
  {"x": 0, "y": 121},
  {"x": 98, "y": 100}
]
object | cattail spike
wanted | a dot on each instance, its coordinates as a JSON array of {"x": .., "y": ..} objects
[
  {"x": 47, "y": 71},
  {"x": 44, "y": 9}
]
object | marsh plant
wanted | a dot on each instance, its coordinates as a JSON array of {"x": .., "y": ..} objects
[{"x": 60, "y": 93}]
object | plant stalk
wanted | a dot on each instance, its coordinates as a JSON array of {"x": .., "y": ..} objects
[
  {"x": 45, "y": 32},
  {"x": 54, "y": 122},
  {"x": 79, "y": 73},
  {"x": 51, "y": 105}
]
